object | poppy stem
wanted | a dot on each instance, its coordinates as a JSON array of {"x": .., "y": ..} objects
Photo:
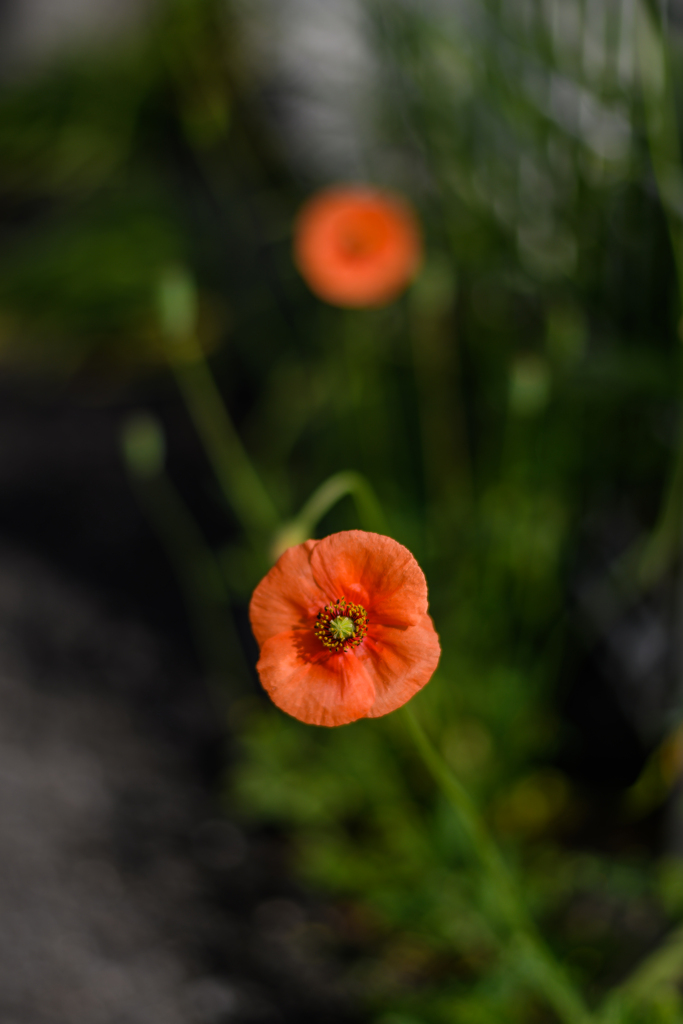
[
  {"x": 239, "y": 481},
  {"x": 197, "y": 570},
  {"x": 437, "y": 373},
  {"x": 322, "y": 500},
  {"x": 236, "y": 475},
  {"x": 648, "y": 562},
  {"x": 660, "y": 971},
  {"x": 536, "y": 961},
  {"x": 337, "y": 487}
]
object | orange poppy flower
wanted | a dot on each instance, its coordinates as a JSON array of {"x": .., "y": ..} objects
[
  {"x": 343, "y": 628},
  {"x": 356, "y": 246}
]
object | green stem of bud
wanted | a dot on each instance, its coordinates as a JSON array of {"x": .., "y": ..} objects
[
  {"x": 239, "y": 481},
  {"x": 532, "y": 956},
  {"x": 299, "y": 529}
]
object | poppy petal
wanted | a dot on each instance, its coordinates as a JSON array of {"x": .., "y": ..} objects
[
  {"x": 357, "y": 246},
  {"x": 400, "y": 662},
  {"x": 320, "y": 689},
  {"x": 374, "y": 571},
  {"x": 287, "y": 596}
]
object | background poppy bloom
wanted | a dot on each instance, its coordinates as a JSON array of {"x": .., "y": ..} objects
[
  {"x": 356, "y": 246},
  {"x": 343, "y": 628}
]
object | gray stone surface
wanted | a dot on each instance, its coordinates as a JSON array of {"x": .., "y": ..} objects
[
  {"x": 78, "y": 940},
  {"x": 124, "y": 897},
  {"x": 34, "y": 31}
]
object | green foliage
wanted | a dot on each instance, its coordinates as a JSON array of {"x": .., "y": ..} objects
[{"x": 527, "y": 385}]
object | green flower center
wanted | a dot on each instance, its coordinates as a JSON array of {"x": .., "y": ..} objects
[{"x": 340, "y": 625}]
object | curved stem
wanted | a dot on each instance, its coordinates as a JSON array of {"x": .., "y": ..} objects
[
  {"x": 661, "y": 126},
  {"x": 661, "y": 123},
  {"x": 337, "y": 487},
  {"x": 236, "y": 475},
  {"x": 198, "y": 573},
  {"x": 322, "y": 500},
  {"x": 662, "y": 969},
  {"x": 239, "y": 481},
  {"x": 436, "y": 352},
  {"x": 535, "y": 960}
]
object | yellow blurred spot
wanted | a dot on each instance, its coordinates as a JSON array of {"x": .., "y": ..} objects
[
  {"x": 533, "y": 803},
  {"x": 467, "y": 746},
  {"x": 662, "y": 769},
  {"x": 671, "y": 756}
]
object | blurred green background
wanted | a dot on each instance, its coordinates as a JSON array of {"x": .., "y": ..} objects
[{"x": 516, "y": 413}]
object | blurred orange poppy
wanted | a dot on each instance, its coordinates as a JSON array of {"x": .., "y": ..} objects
[
  {"x": 356, "y": 246},
  {"x": 343, "y": 628}
]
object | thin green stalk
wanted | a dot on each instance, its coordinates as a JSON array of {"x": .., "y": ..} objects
[
  {"x": 662, "y": 969},
  {"x": 319, "y": 504},
  {"x": 661, "y": 125},
  {"x": 239, "y": 481},
  {"x": 199, "y": 575},
  {"x": 236, "y": 475},
  {"x": 435, "y": 351},
  {"x": 531, "y": 953},
  {"x": 663, "y": 544},
  {"x": 357, "y": 368},
  {"x": 337, "y": 487}
]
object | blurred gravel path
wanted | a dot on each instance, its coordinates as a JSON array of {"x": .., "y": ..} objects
[{"x": 124, "y": 898}]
